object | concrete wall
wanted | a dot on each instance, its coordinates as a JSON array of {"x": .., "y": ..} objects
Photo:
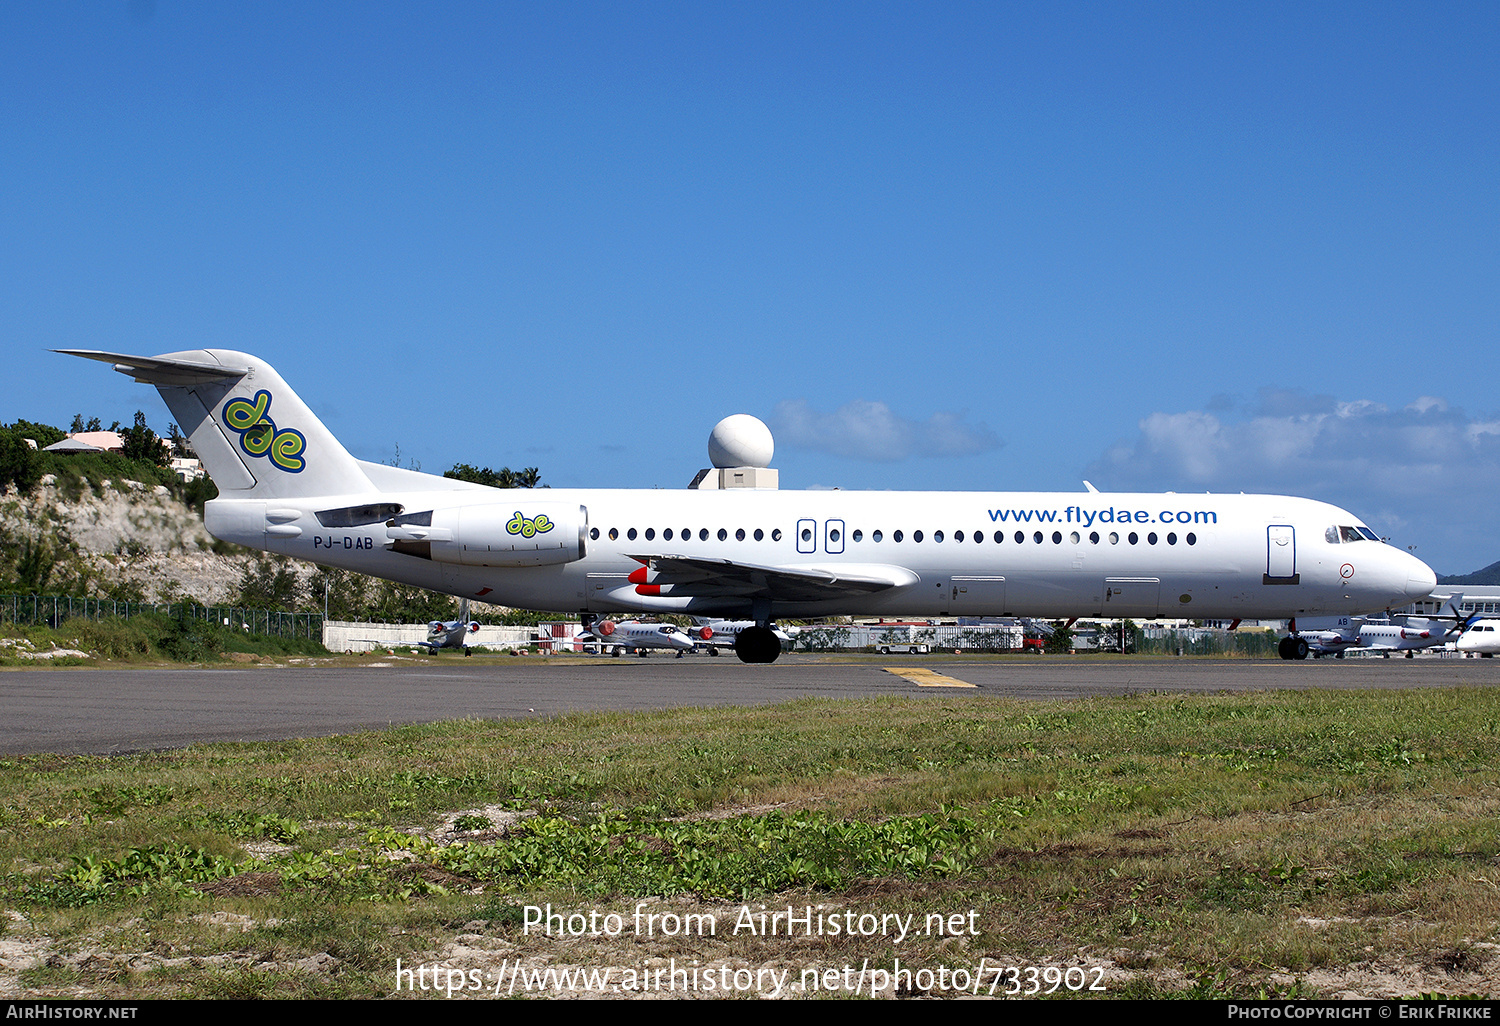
[{"x": 340, "y": 636}]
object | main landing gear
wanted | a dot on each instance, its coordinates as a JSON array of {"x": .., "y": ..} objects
[
  {"x": 757, "y": 645},
  {"x": 1293, "y": 647}
]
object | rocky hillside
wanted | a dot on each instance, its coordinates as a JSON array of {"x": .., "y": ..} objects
[{"x": 122, "y": 538}]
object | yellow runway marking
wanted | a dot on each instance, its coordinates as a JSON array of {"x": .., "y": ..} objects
[{"x": 927, "y": 678}]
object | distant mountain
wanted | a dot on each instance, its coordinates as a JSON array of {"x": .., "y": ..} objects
[{"x": 1489, "y": 575}]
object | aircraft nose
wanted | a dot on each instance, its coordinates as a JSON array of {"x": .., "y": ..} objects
[{"x": 1420, "y": 580}]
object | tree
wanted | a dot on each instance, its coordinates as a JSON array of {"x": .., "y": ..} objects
[
  {"x": 502, "y": 478},
  {"x": 1060, "y": 642},
  {"x": 19, "y": 464},
  {"x": 141, "y": 443}
]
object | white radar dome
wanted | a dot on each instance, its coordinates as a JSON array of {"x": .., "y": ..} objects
[{"x": 740, "y": 441}]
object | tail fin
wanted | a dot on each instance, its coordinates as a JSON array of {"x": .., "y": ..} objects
[{"x": 255, "y": 436}]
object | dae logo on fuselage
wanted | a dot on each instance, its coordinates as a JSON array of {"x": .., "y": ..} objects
[
  {"x": 259, "y": 435},
  {"x": 528, "y": 527}
]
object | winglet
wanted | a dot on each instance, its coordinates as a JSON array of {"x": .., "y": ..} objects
[{"x": 1091, "y": 488}]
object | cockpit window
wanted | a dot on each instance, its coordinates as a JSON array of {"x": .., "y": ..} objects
[
  {"x": 1369, "y": 534},
  {"x": 1332, "y": 535},
  {"x": 1351, "y": 534}
]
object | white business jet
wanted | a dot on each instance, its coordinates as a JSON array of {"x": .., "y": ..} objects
[
  {"x": 634, "y": 636},
  {"x": 1408, "y": 634},
  {"x": 286, "y": 485},
  {"x": 451, "y": 633},
  {"x": 715, "y": 634}
]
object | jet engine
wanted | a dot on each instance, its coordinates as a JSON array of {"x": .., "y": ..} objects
[{"x": 512, "y": 534}]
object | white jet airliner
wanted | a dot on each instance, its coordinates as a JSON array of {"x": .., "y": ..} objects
[{"x": 286, "y": 485}]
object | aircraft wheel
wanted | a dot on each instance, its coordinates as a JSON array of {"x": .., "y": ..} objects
[
  {"x": 757, "y": 645},
  {"x": 1284, "y": 648},
  {"x": 615, "y": 652},
  {"x": 1300, "y": 649},
  {"x": 642, "y": 653},
  {"x": 714, "y": 651},
  {"x": 681, "y": 654}
]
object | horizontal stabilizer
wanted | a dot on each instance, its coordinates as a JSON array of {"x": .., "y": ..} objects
[{"x": 154, "y": 370}]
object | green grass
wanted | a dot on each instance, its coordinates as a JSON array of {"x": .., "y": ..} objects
[{"x": 1245, "y": 844}]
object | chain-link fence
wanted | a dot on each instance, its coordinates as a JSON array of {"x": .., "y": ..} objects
[{"x": 54, "y": 610}]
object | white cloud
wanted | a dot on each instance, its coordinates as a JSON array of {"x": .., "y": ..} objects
[
  {"x": 1427, "y": 474},
  {"x": 865, "y": 430}
]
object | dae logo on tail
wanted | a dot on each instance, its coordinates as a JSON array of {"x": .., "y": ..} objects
[{"x": 258, "y": 433}]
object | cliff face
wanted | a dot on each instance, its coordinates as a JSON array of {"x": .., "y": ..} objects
[{"x": 123, "y": 538}]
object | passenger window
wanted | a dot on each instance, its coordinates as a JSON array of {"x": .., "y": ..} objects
[
  {"x": 916, "y": 536},
  {"x": 1151, "y": 537},
  {"x": 723, "y": 534},
  {"x": 739, "y": 535},
  {"x": 1134, "y": 537},
  {"x": 759, "y": 534},
  {"x": 1094, "y": 537},
  {"x": 958, "y": 536},
  {"x": 1073, "y": 537},
  {"x": 1114, "y": 537},
  {"x": 1171, "y": 538},
  {"x": 666, "y": 535},
  {"x": 614, "y": 534},
  {"x": 1056, "y": 537},
  {"x": 876, "y": 536},
  {"x": 650, "y": 533},
  {"x": 630, "y": 534},
  {"x": 1021, "y": 537},
  {"x": 703, "y": 534},
  {"x": 896, "y": 536},
  {"x": 937, "y": 536},
  {"x": 859, "y": 535},
  {"x": 1192, "y": 539},
  {"x": 776, "y": 534}
]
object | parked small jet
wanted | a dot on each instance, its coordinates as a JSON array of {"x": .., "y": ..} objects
[
  {"x": 634, "y": 636},
  {"x": 1384, "y": 635},
  {"x": 451, "y": 633},
  {"x": 287, "y": 485},
  {"x": 719, "y": 634}
]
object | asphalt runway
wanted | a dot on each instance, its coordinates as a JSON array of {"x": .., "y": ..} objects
[{"x": 110, "y": 711}]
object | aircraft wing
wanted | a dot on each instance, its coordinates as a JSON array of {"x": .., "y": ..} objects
[{"x": 713, "y": 578}]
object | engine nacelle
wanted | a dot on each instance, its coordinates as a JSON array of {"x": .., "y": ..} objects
[{"x": 519, "y": 533}]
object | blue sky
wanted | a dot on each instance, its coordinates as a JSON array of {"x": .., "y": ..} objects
[{"x": 975, "y": 246}]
